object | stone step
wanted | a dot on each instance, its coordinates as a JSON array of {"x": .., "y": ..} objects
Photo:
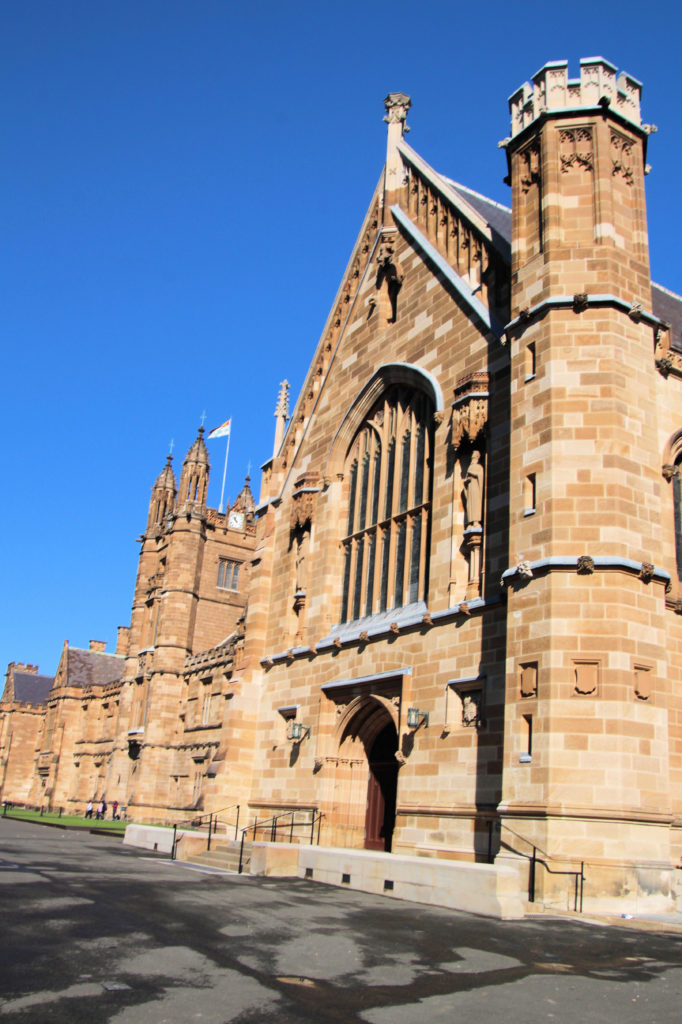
[{"x": 225, "y": 858}]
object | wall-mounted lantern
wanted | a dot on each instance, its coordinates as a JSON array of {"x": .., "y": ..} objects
[
  {"x": 297, "y": 731},
  {"x": 415, "y": 717}
]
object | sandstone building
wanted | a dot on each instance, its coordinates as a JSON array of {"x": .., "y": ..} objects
[{"x": 464, "y": 570}]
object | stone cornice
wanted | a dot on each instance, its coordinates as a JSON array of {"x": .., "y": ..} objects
[
  {"x": 645, "y": 570},
  {"x": 579, "y": 303},
  {"x": 380, "y": 626}
]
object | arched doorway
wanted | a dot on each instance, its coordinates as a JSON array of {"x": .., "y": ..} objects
[
  {"x": 382, "y": 787},
  {"x": 361, "y": 788}
]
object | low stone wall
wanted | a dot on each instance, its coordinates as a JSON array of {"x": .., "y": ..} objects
[
  {"x": 152, "y": 837},
  {"x": 488, "y": 889}
]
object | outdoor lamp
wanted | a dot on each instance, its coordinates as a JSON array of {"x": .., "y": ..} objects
[
  {"x": 414, "y": 715},
  {"x": 297, "y": 730}
]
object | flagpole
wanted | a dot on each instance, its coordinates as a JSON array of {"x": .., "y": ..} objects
[{"x": 222, "y": 492}]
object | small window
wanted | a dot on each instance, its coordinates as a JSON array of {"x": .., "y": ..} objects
[
  {"x": 529, "y": 495},
  {"x": 228, "y": 574},
  {"x": 530, "y": 361}
]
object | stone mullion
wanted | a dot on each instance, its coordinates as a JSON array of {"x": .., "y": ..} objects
[
  {"x": 413, "y": 427},
  {"x": 423, "y": 554}
]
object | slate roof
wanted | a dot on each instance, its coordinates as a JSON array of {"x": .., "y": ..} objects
[
  {"x": 92, "y": 668},
  {"x": 30, "y": 688},
  {"x": 668, "y": 306},
  {"x": 497, "y": 216}
]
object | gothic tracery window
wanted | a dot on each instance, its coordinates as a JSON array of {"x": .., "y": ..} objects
[{"x": 388, "y": 469}]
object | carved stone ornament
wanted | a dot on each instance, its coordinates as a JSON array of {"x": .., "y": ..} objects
[
  {"x": 621, "y": 157},
  {"x": 471, "y": 707},
  {"x": 400, "y": 757},
  {"x": 303, "y": 500},
  {"x": 470, "y": 408},
  {"x": 668, "y": 471},
  {"x": 529, "y": 165},
  {"x": 580, "y": 302},
  {"x": 524, "y": 570},
  {"x": 646, "y": 573},
  {"x": 585, "y": 564},
  {"x": 635, "y": 312},
  {"x": 397, "y": 105},
  {"x": 575, "y": 149}
]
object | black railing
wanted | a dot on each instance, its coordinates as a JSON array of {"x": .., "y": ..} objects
[
  {"x": 281, "y": 829},
  {"x": 208, "y": 823},
  {"x": 533, "y": 861}
]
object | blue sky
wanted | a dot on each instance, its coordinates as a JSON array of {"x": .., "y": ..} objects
[{"x": 181, "y": 188}]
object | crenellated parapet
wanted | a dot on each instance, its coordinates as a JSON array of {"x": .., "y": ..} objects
[{"x": 551, "y": 89}]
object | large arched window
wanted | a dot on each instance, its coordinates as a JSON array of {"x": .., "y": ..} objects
[{"x": 388, "y": 468}]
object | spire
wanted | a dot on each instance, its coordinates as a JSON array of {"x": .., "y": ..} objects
[
  {"x": 397, "y": 105},
  {"x": 195, "y": 470},
  {"x": 244, "y": 501},
  {"x": 282, "y": 415},
  {"x": 163, "y": 496}
]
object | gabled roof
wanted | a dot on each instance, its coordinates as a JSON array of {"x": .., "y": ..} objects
[
  {"x": 30, "y": 688},
  {"x": 92, "y": 668}
]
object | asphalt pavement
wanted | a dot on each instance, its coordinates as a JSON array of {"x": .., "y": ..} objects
[{"x": 92, "y": 931}]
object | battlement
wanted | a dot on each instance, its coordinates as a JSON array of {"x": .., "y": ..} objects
[{"x": 552, "y": 89}]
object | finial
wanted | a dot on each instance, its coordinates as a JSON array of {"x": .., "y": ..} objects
[
  {"x": 203, "y": 419},
  {"x": 397, "y": 105},
  {"x": 282, "y": 414},
  {"x": 171, "y": 446},
  {"x": 283, "y": 400}
]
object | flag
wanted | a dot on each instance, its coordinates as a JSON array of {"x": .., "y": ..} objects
[{"x": 222, "y": 431}]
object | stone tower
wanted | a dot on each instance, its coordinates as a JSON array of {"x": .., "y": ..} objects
[{"x": 585, "y": 739}]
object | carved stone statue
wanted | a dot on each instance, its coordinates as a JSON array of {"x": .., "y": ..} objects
[
  {"x": 302, "y": 540},
  {"x": 473, "y": 490}
]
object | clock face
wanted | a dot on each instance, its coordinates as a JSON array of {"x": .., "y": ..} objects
[{"x": 236, "y": 520}]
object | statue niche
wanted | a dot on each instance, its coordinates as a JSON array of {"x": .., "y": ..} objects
[{"x": 472, "y": 495}]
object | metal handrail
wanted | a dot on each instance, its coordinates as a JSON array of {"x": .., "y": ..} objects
[
  {"x": 533, "y": 860},
  {"x": 212, "y": 819},
  {"x": 274, "y": 827}
]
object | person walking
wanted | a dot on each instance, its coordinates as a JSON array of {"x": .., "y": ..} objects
[{"x": 88, "y": 809}]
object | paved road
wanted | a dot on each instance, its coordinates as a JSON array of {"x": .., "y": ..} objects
[{"x": 91, "y": 931}]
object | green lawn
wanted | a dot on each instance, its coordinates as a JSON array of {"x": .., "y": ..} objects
[{"x": 71, "y": 820}]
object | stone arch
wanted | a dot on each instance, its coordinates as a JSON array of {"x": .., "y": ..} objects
[
  {"x": 363, "y": 718},
  {"x": 673, "y": 449},
  {"x": 389, "y": 373},
  {"x": 366, "y": 772}
]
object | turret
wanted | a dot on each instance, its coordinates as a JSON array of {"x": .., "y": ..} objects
[
  {"x": 195, "y": 473},
  {"x": 163, "y": 496}
]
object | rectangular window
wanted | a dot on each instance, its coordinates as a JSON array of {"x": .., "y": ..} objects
[
  {"x": 529, "y": 495},
  {"x": 206, "y": 707},
  {"x": 530, "y": 361},
  {"x": 228, "y": 574}
]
